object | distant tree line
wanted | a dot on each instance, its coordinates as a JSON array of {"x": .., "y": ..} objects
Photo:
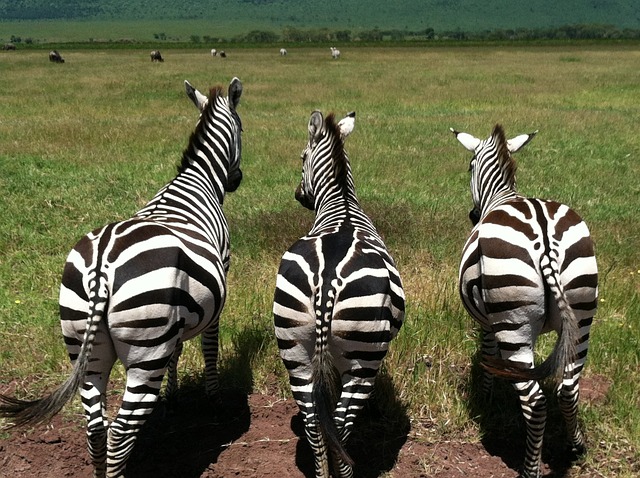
[
  {"x": 565, "y": 32},
  {"x": 324, "y": 35}
]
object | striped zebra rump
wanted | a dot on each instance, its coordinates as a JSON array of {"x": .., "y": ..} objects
[
  {"x": 153, "y": 285},
  {"x": 135, "y": 290},
  {"x": 338, "y": 301},
  {"x": 527, "y": 268},
  {"x": 522, "y": 270}
]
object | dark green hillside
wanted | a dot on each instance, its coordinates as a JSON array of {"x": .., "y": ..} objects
[{"x": 413, "y": 15}]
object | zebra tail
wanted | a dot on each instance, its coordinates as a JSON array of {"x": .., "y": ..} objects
[
  {"x": 23, "y": 413},
  {"x": 324, "y": 396},
  {"x": 564, "y": 350}
]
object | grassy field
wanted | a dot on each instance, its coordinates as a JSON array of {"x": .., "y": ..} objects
[{"x": 89, "y": 141}]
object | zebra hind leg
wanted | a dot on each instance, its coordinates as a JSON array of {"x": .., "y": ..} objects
[
  {"x": 171, "y": 391},
  {"x": 139, "y": 400},
  {"x": 489, "y": 348},
  {"x": 534, "y": 408},
  {"x": 568, "y": 393},
  {"x": 210, "y": 352},
  {"x": 317, "y": 442},
  {"x": 94, "y": 403},
  {"x": 356, "y": 392}
]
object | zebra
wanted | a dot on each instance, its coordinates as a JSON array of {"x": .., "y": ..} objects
[
  {"x": 527, "y": 268},
  {"x": 135, "y": 290},
  {"x": 156, "y": 56},
  {"x": 338, "y": 300},
  {"x": 283, "y": 52},
  {"x": 335, "y": 53},
  {"x": 55, "y": 57}
]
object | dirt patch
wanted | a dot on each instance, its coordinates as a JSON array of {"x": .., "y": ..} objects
[{"x": 261, "y": 436}]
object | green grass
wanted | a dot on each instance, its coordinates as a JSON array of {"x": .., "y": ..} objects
[{"x": 91, "y": 140}]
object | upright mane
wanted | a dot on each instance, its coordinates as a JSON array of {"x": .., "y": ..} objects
[
  {"x": 340, "y": 161},
  {"x": 207, "y": 113},
  {"x": 505, "y": 160}
]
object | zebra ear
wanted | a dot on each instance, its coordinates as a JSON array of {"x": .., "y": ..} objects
[
  {"x": 315, "y": 125},
  {"x": 194, "y": 95},
  {"x": 515, "y": 144},
  {"x": 235, "y": 92},
  {"x": 466, "y": 140},
  {"x": 347, "y": 124}
]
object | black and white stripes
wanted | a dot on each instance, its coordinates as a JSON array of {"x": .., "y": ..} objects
[
  {"x": 338, "y": 301},
  {"x": 137, "y": 289},
  {"x": 527, "y": 268}
]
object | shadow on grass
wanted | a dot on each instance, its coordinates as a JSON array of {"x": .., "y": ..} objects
[
  {"x": 502, "y": 425},
  {"x": 379, "y": 433}
]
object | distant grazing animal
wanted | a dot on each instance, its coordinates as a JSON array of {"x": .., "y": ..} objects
[
  {"x": 136, "y": 290},
  {"x": 55, "y": 57},
  {"x": 335, "y": 53},
  {"x": 528, "y": 267},
  {"x": 8, "y": 46},
  {"x": 214, "y": 52},
  {"x": 156, "y": 56},
  {"x": 283, "y": 52},
  {"x": 223, "y": 54},
  {"x": 338, "y": 301}
]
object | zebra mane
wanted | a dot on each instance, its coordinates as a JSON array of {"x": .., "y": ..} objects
[
  {"x": 505, "y": 160},
  {"x": 340, "y": 160},
  {"x": 207, "y": 113}
]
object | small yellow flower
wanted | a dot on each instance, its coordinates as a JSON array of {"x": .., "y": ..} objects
[
  {"x": 601, "y": 300},
  {"x": 18, "y": 301}
]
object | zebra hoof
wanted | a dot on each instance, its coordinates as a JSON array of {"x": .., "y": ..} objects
[{"x": 576, "y": 453}]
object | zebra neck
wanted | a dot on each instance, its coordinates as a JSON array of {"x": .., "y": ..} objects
[
  {"x": 206, "y": 174},
  {"x": 496, "y": 200},
  {"x": 341, "y": 212},
  {"x": 189, "y": 197}
]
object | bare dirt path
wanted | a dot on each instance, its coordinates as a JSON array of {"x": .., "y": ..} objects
[{"x": 257, "y": 436}]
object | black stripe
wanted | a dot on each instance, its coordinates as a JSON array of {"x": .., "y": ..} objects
[
  {"x": 584, "y": 280},
  {"x": 505, "y": 306},
  {"x": 169, "y": 296},
  {"x": 582, "y": 248},
  {"x": 361, "y": 336},
  {"x": 506, "y": 280},
  {"x": 497, "y": 248},
  {"x": 286, "y": 300}
]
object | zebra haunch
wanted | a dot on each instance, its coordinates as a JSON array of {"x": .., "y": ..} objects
[
  {"x": 338, "y": 300},
  {"x": 527, "y": 268},
  {"x": 135, "y": 290}
]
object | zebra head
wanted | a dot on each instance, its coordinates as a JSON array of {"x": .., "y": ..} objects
[
  {"x": 218, "y": 116},
  {"x": 492, "y": 168},
  {"x": 324, "y": 161},
  {"x": 235, "y": 173}
]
